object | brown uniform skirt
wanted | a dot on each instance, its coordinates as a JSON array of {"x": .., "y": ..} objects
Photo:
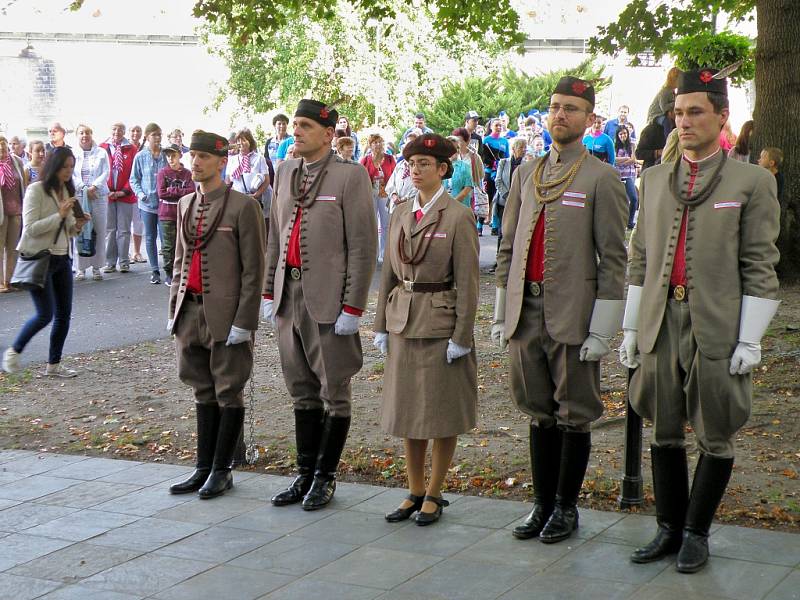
[{"x": 423, "y": 396}]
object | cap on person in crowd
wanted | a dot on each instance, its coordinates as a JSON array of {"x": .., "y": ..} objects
[
  {"x": 703, "y": 80},
  {"x": 280, "y": 117},
  {"x": 317, "y": 111},
  {"x": 205, "y": 141},
  {"x": 172, "y": 148},
  {"x": 472, "y": 115},
  {"x": 432, "y": 144},
  {"x": 501, "y": 114},
  {"x": 151, "y": 128},
  {"x": 573, "y": 86}
]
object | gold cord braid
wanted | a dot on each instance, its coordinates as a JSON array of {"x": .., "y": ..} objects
[{"x": 543, "y": 190}]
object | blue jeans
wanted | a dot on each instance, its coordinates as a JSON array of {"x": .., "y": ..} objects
[
  {"x": 150, "y": 221},
  {"x": 633, "y": 199},
  {"x": 54, "y": 300}
]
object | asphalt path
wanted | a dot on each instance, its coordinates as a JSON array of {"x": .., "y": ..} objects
[{"x": 123, "y": 309}]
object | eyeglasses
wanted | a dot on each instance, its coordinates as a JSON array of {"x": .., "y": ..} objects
[
  {"x": 568, "y": 109},
  {"x": 421, "y": 165}
]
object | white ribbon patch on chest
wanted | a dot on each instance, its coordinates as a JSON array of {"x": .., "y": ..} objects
[
  {"x": 437, "y": 235},
  {"x": 727, "y": 205},
  {"x": 326, "y": 198}
]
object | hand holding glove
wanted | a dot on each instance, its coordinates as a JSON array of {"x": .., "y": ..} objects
[
  {"x": 594, "y": 348},
  {"x": 237, "y": 336},
  {"x": 745, "y": 358},
  {"x": 266, "y": 311},
  {"x": 499, "y": 321},
  {"x": 629, "y": 351},
  {"x": 346, "y": 324},
  {"x": 454, "y": 351},
  {"x": 382, "y": 342}
]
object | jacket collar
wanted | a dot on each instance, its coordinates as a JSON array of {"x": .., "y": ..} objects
[{"x": 567, "y": 155}]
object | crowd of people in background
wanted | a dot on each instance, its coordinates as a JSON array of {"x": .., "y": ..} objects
[{"x": 130, "y": 183}]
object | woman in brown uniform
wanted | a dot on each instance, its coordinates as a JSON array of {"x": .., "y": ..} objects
[{"x": 425, "y": 317}]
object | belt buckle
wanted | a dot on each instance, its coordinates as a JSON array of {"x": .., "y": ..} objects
[
  {"x": 408, "y": 286},
  {"x": 679, "y": 293},
  {"x": 535, "y": 288},
  {"x": 294, "y": 273}
]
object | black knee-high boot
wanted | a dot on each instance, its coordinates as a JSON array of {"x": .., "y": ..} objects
[
  {"x": 575, "y": 450},
  {"x": 308, "y": 435},
  {"x": 207, "y": 423},
  {"x": 671, "y": 489},
  {"x": 220, "y": 480},
  {"x": 710, "y": 480},
  {"x": 324, "y": 485},
  {"x": 545, "y": 449}
]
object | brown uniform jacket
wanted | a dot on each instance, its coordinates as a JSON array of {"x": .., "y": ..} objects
[
  {"x": 730, "y": 249},
  {"x": 584, "y": 243},
  {"x": 452, "y": 257},
  {"x": 232, "y": 263},
  {"x": 338, "y": 239}
]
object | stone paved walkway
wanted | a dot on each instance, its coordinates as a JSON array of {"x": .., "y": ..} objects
[{"x": 74, "y": 527}]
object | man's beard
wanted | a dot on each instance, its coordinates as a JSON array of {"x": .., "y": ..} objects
[{"x": 565, "y": 139}]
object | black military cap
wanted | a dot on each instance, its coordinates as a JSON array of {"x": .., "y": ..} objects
[
  {"x": 432, "y": 144},
  {"x": 702, "y": 80},
  {"x": 572, "y": 86},
  {"x": 205, "y": 141},
  {"x": 173, "y": 148},
  {"x": 317, "y": 111}
]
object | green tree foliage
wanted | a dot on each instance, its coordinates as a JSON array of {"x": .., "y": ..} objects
[
  {"x": 642, "y": 27},
  {"x": 247, "y": 21},
  {"x": 716, "y": 50},
  {"x": 510, "y": 90}
]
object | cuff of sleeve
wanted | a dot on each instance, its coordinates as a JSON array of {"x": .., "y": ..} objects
[{"x": 352, "y": 311}]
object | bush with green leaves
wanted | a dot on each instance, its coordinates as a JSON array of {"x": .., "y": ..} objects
[
  {"x": 510, "y": 90},
  {"x": 716, "y": 50}
]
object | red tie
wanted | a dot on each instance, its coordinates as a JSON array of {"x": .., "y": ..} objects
[{"x": 419, "y": 214}]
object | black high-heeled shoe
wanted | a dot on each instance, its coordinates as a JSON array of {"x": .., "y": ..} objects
[
  {"x": 426, "y": 518},
  {"x": 401, "y": 514}
]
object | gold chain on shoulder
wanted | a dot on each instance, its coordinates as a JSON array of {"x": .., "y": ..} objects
[{"x": 544, "y": 190}]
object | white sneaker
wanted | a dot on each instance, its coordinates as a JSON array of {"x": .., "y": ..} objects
[
  {"x": 97, "y": 275},
  {"x": 10, "y": 360},
  {"x": 58, "y": 370},
  {"x": 80, "y": 276},
  {"x": 109, "y": 269}
]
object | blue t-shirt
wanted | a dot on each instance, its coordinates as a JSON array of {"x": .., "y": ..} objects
[
  {"x": 601, "y": 146},
  {"x": 281, "y": 153},
  {"x": 499, "y": 149},
  {"x": 462, "y": 177}
]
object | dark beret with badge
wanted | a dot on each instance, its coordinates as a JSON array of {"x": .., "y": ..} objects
[
  {"x": 573, "y": 86},
  {"x": 703, "y": 80},
  {"x": 432, "y": 144},
  {"x": 205, "y": 141},
  {"x": 317, "y": 111}
]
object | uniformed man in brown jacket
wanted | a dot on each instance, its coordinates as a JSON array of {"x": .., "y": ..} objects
[
  {"x": 560, "y": 285},
  {"x": 214, "y": 308},
  {"x": 702, "y": 292},
  {"x": 321, "y": 258}
]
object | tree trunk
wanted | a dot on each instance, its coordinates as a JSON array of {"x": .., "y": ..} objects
[{"x": 777, "y": 115}]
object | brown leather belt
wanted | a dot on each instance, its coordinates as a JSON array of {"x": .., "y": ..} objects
[
  {"x": 426, "y": 287},
  {"x": 534, "y": 288},
  {"x": 198, "y": 298},
  {"x": 294, "y": 273},
  {"x": 679, "y": 293}
]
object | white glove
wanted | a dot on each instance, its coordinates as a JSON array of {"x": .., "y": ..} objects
[
  {"x": 455, "y": 351},
  {"x": 381, "y": 342},
  {"x": 594, "y": 348},
  {"x": 170, "y": 323},
  {"x": 753, "y": 322},
  {"x": 629, "y": 351},
  {"x": 237, "y": 336},
  {"x": 266, "y": 310},
  {"x": 499, "y": 321},
  {"x": 346, "y": 324},
  {"x": 746, "y": 356}
]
